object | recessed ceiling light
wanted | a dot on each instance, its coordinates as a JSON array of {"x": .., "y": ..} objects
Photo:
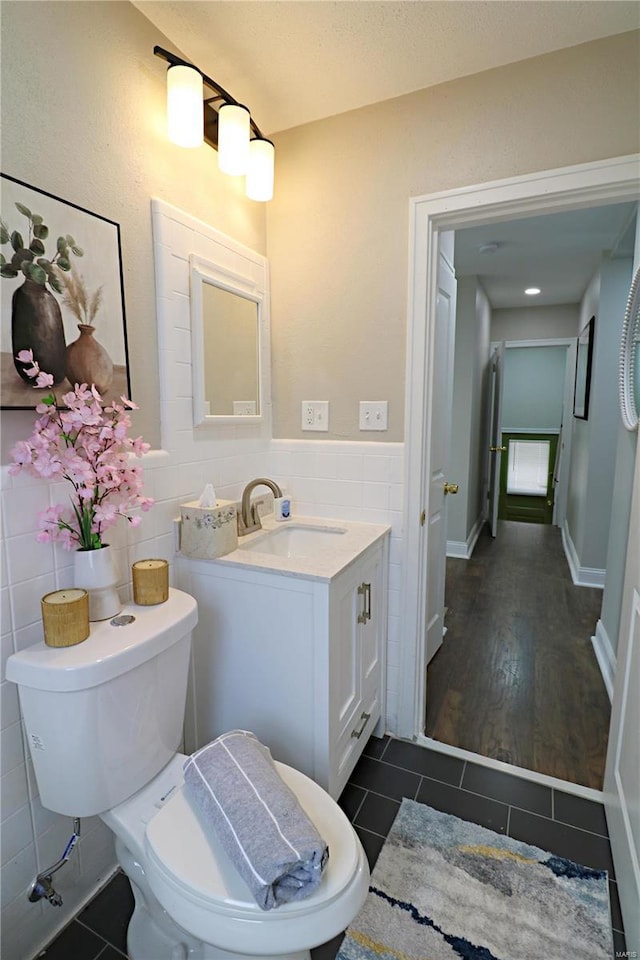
[
  {"x": 533, "y": 291},
  {"x": 489, "y": 247}
]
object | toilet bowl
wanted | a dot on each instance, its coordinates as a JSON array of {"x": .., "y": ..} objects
[
  {"x": 197, "y": 904},
  {"x": 104, "y": 719}
]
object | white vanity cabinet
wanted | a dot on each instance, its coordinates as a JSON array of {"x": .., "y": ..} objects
[
  {"x": 358, "y": 616},
  {"x": 297, "y": 659}
]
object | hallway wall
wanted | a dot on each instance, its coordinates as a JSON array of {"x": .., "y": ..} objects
[
  {"x": 627, "y": 442},
  {"x": 594, "y": 444},
  {"x": 535, "y": 323},
  {"x": 534, "y": 379}
]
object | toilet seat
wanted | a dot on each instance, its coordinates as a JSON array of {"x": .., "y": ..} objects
[{"x": 196, "y": 883}]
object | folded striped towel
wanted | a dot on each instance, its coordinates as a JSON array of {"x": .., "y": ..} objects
[{"x": 235, "y": 786}]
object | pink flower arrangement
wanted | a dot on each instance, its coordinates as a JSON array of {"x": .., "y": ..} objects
[{"x": 88, "y": 445}]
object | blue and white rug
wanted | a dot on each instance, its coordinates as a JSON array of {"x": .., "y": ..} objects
[{"x": 445, "y": 889}]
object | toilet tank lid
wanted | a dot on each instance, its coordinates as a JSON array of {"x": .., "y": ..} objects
[{"x": 109, "y": 651}]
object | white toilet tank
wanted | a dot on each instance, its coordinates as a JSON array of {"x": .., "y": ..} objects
[{"x": 104, "y": 716}]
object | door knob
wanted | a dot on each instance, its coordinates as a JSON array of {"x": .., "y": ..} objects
[
  {"x": 450, "y": 488},
  {"x": 498, "y": 449}
]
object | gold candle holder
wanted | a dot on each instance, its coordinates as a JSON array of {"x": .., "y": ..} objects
[
  {"x": 150, "y": 582},
  {"x": 65, "y": 617}
]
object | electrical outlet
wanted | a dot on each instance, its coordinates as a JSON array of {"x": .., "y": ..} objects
[
  {"x": 244, "y": 408},
  {"x": 315, "y": 415},
  {"x": 373, "y": 414}
]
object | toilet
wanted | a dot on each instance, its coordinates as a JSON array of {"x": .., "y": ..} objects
[{"x": 104, "y": 721}]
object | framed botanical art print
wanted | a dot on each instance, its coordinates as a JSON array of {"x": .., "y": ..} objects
[{"x": 61, "y": 297}]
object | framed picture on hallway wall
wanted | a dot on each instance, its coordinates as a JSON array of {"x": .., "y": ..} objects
[
  {"x": 584, "y": 356},
  {"x": 61, "y": 297}
]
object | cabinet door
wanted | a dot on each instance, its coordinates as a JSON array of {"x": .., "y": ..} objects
[
  {"x": 358, "y": 632},
  {"x": 372, "y": 634}
]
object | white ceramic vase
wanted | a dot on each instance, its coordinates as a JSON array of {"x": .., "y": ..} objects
[{"x": 96, "y": 571}]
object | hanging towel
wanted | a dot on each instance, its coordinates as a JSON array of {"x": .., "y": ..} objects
[{"x": 234, "y": 784}]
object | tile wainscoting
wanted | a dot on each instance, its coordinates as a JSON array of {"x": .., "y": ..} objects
[{"x": 359, "y": 481}]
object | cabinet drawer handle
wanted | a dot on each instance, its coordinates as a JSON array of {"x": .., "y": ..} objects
[
  {"x": 365, "y": 590},
  {"x": 362, "y": 591},
  {"x": 358, "y": 733}
]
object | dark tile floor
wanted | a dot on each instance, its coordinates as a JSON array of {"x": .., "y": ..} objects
[{"x": 388, "y": 771}]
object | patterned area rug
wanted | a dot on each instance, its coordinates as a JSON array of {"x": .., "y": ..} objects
[{"x": 445, "y": 889}]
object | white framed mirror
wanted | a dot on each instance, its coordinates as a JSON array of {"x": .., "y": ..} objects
[
  {"x": 229, "y": 345},
  {"x": 629, "y": 370}
]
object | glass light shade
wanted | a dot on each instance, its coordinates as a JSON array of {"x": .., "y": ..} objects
[
  {"x": 185, "y": 112},
  {"x": 259, "y": 183},
  {"x": 233, "y": 139}
]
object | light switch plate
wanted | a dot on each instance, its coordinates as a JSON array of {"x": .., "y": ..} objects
[
  {"x": 373, "y": 414},
  {"x": 315, "y": 415}
]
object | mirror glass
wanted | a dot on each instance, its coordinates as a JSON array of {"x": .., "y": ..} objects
[
  {"x": 231, "y": 357},
  {"x": 229, "y": 339}
]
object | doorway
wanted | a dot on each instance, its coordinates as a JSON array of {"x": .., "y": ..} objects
[
  {"x": 527, "y": 474},
  {"x": 611, "y": 181}
]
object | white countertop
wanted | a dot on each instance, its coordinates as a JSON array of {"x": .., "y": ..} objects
[{"x": 326, "y": 561}]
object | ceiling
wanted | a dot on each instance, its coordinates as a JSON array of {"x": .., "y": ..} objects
[
  {"x": 295, "y": 61},
  {"x": 557, "y": 252}
]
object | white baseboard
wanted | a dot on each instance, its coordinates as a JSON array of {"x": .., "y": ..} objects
[
  {"x": 605, "y": 656},
  {"x": 458, "y": 549},
  {"x": 581, "y": 576},
  {"x": 462, "y": 549}
]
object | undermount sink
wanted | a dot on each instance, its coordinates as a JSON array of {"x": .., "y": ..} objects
[{"x": 294, "y": 540}]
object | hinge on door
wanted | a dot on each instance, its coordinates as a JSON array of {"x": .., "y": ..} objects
[{"x": 423, "y": 517}]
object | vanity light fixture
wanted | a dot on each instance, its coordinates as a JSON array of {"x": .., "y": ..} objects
[
  {"x": 185, "y": 110},
  {"x": 234, "y": 133},
  {"x": 200, "y": 109},
  {"x": 259, "y": 183},
  {"x": 533, "y": 291}
]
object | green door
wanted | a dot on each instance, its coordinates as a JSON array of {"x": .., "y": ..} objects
[{"x": 527, "y": 466}]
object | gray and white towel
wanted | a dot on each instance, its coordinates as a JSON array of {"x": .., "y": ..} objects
[{"x": 234, "y": 784}]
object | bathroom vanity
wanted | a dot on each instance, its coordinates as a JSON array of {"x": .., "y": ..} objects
[{"x": 291, "y": 643}]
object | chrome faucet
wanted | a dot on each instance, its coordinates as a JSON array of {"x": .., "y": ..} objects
[{"x": 249, "y": 519}]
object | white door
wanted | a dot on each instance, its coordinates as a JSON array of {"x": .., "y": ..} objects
[
  {"x": 495, "y": 448},
  {"x": 622, "y": 775},
  {"x": 561, "y": 478},
  {"x": 439, "y": 441}
]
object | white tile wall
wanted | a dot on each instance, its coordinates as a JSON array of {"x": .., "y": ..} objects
[{"x": 331, "y": 479}]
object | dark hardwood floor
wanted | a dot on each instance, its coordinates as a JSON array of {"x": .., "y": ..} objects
[{"x": 516, "y": 677}]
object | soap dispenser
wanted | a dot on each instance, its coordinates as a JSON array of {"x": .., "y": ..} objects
[{"x": 282, "y": 508}]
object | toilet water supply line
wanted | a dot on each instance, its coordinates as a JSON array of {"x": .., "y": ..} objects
[{"x": 42, "y": 888}]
